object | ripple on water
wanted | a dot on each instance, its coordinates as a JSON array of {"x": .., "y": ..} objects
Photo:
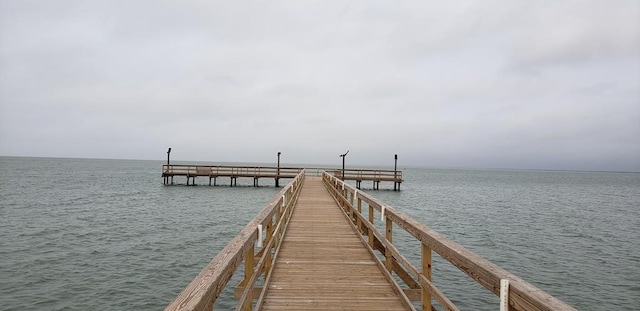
[{"x": 100, "y": 234}]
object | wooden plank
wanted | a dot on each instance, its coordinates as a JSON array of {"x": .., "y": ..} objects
[
  {"x": 322, "y": 263},
  {"x": 426, "y": 271}
]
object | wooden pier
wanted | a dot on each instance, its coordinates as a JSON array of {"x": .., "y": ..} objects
[
  {"x": 316, "y": 246},
  {"x": 213, "y": 172},
  {"x": 376, "y": 176},
  {"x": 323, "y": 263}
]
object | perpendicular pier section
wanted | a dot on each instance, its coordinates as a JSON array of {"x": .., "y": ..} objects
[
  {"x": 376, "y": 176},
  {"x": 213, "y": 172}
]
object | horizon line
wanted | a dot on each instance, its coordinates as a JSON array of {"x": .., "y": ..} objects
[{"x": 318, "y": 165}]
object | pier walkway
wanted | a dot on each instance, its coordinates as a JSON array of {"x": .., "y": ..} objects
[
  {"x": 323, "y": 264},
  {"x": 321, "y": 244}
]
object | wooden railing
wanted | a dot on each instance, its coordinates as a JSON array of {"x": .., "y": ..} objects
[
  {"x": 378, "y": 175},
  {"x": 225, "y": 171},
  {"x": 270, "y": 223},
  {"x": 517, "y": 295}
]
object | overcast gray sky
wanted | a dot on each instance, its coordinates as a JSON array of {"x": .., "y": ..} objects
[{"x": 487, "y": 84}]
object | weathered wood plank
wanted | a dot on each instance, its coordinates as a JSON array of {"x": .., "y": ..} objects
[{"x": 322, "y": 263}]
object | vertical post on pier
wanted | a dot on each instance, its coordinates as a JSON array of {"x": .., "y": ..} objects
[
  {"x": 278, "y": 171},
  {"x": 168, "y": 156},
  {"x": 395, "y": 172},
  {"x": 343, "y": 156},
  {"x": 166, "y": 176},
  {"x": 353, "y": 194},
  {"x": 267, "y": 264},
  {"x": 371, "y": 243},
  {"x": 342, "y": 175},
  {"x": 248, "y": 272},
  {"x": 426, "y": 270},
  {"x": 359, "y": 221},
  {"x": 387, "y": 251}
]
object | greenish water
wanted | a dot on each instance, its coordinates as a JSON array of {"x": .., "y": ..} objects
[{"x": 106, "y": 234}]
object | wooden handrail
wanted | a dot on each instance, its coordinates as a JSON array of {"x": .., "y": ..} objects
[
  {"x": 522, "y": 295},
  {"x": 177, "y": 169},
  {"x": 367, "y": 174},
  {"x": 203, "y": 291}
]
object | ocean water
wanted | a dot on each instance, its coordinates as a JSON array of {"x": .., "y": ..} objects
[
  {"x": 80, "y": 234},
  {"x": 575, "y": 235}
]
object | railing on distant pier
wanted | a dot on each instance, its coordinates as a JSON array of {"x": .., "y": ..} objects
[
  {"x": 233, "y": 172},
  {"x": 264, "y": 233},
  {"x": 517, "y": 294},
  {"x": 223, "y": 170},
  {"x": 376, "y": 176}
]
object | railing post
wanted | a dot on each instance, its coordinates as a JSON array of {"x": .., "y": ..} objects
[
  {"x": 426, "y": 270},
  {"x": 370, "y": 222},
  {"x": 276, "y": 236},
  {"x": 267, "y": 266},
  {"x": 351, "y": 212},
  {"x": 389, "y": 236},
  {"x": 504, "y": 294},
  {"x": 279, "y": 210},
  {"x": 249, "y": 259},
  {"x": 359, "y": 221},
  {"x": 287, "y": 208}
]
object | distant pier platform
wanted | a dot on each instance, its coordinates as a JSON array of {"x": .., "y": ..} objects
[{"x": 213, "y": 172}]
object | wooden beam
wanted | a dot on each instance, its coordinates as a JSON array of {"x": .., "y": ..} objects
[
  {"x": 426, "y": 271},
  {"x": 389, "y": 237}
]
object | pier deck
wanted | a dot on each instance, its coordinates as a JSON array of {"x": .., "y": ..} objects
[{"x": 323, "y": 264}]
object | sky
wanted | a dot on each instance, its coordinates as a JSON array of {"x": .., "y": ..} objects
[{"x": 474, "y": 84}]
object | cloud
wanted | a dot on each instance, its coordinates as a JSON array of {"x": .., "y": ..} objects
[
  {"x": 566, "y": 32},
  {"x": 491, "y": 84}
]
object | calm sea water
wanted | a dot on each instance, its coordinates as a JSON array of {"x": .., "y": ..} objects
[{"x": 106, "y": 234}]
